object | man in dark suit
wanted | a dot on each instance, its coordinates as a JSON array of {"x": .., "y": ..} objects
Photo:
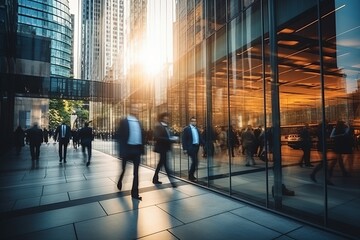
[
  {"x": 19, "y": 136},
  {"x": 191, "y": 141},
  {"x": 131, "y": 139},
  {"x": 86, "y": 137},
  {"x": 163, "y": 140},
  {"x": 35, "y": 136},
  {"x": 305, "y": 145},
  {"x": 62, "y": 135}
]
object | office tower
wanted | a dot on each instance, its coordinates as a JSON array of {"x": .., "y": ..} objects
[
  {"x": 49, "y": 21},
  {"x": 52, "y": 23},
  {"x": 102, "y": 36}
]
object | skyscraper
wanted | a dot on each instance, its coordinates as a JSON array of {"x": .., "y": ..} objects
[
  {"x": 102, "y": 39},
  {"x": 44, "y": 34},
  {"x": 53, "y": 22}
]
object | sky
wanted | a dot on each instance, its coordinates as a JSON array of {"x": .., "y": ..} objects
[
  {"x": 158, "y": 36},
  {"x": 74, "y": 6}
]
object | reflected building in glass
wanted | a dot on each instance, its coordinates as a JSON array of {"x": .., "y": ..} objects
[
  {"x": 268, "y": 67},
  {"x": 264, "y": 68}
]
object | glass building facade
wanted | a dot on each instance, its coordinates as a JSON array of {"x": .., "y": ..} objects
[
  {"x": 50, "y": 19},
  {"x": 245, "y": 68},
  {"x": 268, "y": 68}
]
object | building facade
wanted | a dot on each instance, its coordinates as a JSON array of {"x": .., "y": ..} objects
[
  {"x": 102, "y": 47},
  {"x": 277, "y": 70},
  {"x": 90, "y": 40},
  {"x": 271, "y": 68},
  {"x": 52, "y": 21},
  {"x": 38, "y": 39},
  {"x": 102, "y": 51}
]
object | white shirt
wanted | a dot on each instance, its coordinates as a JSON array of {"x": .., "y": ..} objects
[
  {"x": 134, "y": 131},
  {"x": 195, "y": 134},
  {"x": 63, "y": 131}
]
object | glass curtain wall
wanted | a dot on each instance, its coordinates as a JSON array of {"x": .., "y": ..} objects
[
  {"x": 268, "y": 81},
  {"x": 340, "y": 32},
  {"x": 247, "y": 113}
]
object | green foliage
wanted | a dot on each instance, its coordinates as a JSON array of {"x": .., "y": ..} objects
[{"x": 60, "y": 111}]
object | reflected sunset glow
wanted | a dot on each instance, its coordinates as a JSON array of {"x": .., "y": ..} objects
[{"x": 158, "y": 46}]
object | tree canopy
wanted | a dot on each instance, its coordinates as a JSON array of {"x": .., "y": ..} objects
[{"x": 60, "y": 111}]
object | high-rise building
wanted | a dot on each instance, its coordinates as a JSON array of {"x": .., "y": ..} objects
[
  {"x": 72, "y": 55},
  {"x": 40, "y": 22},
  {"x": 90, "y": 40},
  {"x": 53, "y": 22},
  {"x": 37, "y": 46},
  {"x": 102, "y": 40},
  {"x": 102, "y": 48},
  {"x": 135, "y": 48}
]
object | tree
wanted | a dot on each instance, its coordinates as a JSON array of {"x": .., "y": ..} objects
[{"x": 60, "y": 111}]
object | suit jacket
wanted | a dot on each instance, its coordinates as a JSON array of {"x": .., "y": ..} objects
[
  {"x": 58, "y": 137},
  {"x": 86, "y": 135},
  {"x": 122, "y": 136},
  {"x": 187, "y": 139},
  {"x": 248, "y": 139},
  {"x": 162, "y": 139},
  {"x": 35, "y": 135}
]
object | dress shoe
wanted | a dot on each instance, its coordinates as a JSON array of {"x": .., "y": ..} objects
[
  {"x": 119, "y": 185},
  {"x": 288, "y": 192},
  {"x": 193, "y": 179},
  {"x": 88, "y": 163},
  {"x": 156, "y": 182},
  {"x": 136, "y": 197}
]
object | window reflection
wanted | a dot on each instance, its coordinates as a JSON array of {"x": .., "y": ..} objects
[{"x": 221, "y": 75}]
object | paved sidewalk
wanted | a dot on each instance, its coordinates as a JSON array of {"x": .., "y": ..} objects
[{"x": 47, "y": 200}]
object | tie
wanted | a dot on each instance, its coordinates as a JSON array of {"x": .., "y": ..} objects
[{"x": 63, "y": 131}]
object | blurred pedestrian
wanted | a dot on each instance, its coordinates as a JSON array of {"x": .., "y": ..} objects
[
  {"x": 75, "y": 137},
  {"x": 343, "y": 144},
  {"x": 191, "y": 141},
  {"x": 322, "y": 149},
  {"x": 305, "y": 139},
  {"x": 19, "y": 136},
  {"x": 163, "y": 141},
  {"x": 86, "y": 137},
  {"x": 35, "y": 135},
  {"x": 46, "y": 136},
  {"x": 249, "y": 142},
  {"x": 131, "y": 140},
  {"x": 62, "y": 135}
]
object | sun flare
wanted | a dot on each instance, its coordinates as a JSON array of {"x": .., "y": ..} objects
[{"x": 152, "y": 61}]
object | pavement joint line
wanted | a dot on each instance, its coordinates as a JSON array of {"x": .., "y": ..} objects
[{"x": 76, "y": 202}]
